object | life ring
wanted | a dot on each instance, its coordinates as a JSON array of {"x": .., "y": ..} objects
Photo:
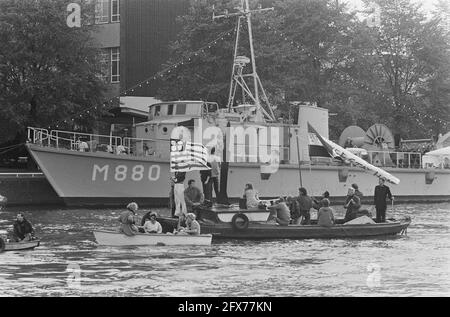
[
  {"x": 2, "y": 245},
  {"x": 240, "y": 222}
]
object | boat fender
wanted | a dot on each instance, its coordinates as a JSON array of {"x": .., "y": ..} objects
[
  {"x": 2, "y": 245},
  {"x": 343, "y": 175},
  {"x": 429, "y": 177},
  {"x": 240, "y": 222}
]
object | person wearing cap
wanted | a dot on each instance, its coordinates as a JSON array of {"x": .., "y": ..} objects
[
  {"x": 325, "y": 216},
  {"x": 151, "y": 225},
  {"x": 280, "y": 212},
  {"x": 127, "y": 220},
  {"x": 382, "y": 192},
  {"x": 192, "y": 225}
]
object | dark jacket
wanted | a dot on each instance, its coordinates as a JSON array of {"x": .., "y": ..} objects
[
  {"x": 180, "y": 177},
  {"x": 22, "y": 228},
  {"x": 352, "y": 208},
  {"x": 359, "y": 194},
  {"x": 204, "y": 174},
  {"x": 126, "y": 220},
  {"x": 381, "y": 193},
  {"x": 302, "y": 206}
]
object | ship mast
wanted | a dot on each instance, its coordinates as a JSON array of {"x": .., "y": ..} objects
[{"x": 238, "y": 76}]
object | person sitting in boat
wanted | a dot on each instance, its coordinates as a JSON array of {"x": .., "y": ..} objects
[
  {"x": 127, "y": 220},
  {"x": 193, "y": 196},
  {"x": 352, "y": 204},
  {"x": 357, "y": 192},
  {"x": 151, "y": 225},
  {"x": 251, "y": 197},
  {"x": 325, "y": 216},
  {"x": 280, "y": 212},
  {"x": 303, "y": 205},
  {"x": 192, "y": 225},
  {"x": 23, "y": 229},
  {"x": 317, "y": 202}
]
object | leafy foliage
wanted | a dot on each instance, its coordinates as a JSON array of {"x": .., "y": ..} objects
[
  {"x": 48, "y": 71},
  {"x": 318, "y": 51}
]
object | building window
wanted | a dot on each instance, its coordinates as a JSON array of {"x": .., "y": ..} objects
[
  {"x": 104, "y": 61},
  {"x": 115, "y": 11},
  {"x": 115, "y": 65},
  {"x": 102, "y": 11}
]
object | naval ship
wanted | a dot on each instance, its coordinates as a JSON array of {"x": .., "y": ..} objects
[{"x": 275, "y": 156}]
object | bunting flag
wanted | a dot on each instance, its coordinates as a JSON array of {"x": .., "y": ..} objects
[
  {"x": 187, "y": 156},
  {"x": 338, "y": 151}
]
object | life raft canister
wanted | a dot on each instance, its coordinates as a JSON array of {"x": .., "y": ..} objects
[
  {"x": 239, "y": 222},
  {"x": 343, "y": 175},
  {"x": 429, "y": 177}
]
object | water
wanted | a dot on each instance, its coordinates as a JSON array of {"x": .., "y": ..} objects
[{"x": 69, "y": 263}]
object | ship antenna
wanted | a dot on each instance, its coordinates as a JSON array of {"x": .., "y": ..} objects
[{"x": 239, "y": 62}]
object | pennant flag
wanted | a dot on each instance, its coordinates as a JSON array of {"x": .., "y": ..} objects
[
  {"x": 187, "y": 156},
  {"x": 337, "y": 151}
]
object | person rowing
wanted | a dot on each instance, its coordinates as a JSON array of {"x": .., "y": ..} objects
[
  {"x": 127, "y": 220},
  {"x": 23, "y": 229}
]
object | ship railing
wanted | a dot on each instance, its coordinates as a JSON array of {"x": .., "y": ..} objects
[
  {"x": 38, "y": 136},
  {"x": 141, "y": 146},
  {"x": 247, "y": 153},
  {"x": 70, "y": 140},
  {"x": 394, "y": 159},
  {"x": 95, "y": 142}
]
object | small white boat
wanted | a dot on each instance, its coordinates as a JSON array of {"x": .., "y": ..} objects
[
  {"x": 18, "y": 246},
  {"x": 114, "y": 238}
]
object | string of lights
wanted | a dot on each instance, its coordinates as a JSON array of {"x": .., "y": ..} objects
[{"x": 148, "y": 80}]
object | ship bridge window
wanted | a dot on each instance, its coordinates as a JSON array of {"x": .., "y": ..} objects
[
  {"x": 170, "y": 110},
  {"x": 209, "y": 108},
  {"x": 181, "y": 108},
  {"x": 157, "y": 111}
]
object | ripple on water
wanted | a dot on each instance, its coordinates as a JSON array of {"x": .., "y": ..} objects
[{"x": 414, "y": 265}]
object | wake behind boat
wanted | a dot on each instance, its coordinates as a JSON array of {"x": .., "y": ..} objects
[{"x": 115, "y": 238}]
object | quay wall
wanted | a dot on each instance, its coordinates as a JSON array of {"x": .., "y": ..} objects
[
  {"x": 34, "y": 189},
  {"x": 28, "y": 189}
]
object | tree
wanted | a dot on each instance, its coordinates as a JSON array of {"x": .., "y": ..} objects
[
  {"x": 318, "y": 51},
  {"x": 48, "y": 71},
  {"x": 410, "y": 54}
]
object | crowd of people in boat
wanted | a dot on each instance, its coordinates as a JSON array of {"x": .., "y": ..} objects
[
  {"x": 297, "y": 210},
  {"x": 285, "y": 210},
  {"x": 128, "y": 219}
]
